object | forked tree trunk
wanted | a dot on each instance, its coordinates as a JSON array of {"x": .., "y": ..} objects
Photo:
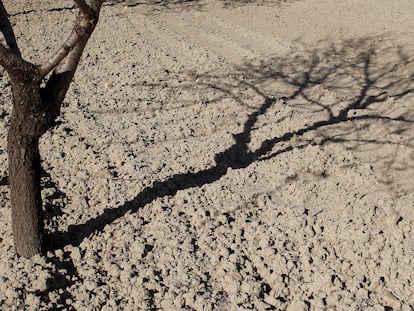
[{"x": 34, "y": 110}]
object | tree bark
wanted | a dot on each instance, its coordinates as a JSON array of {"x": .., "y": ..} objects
[
  {"x": 25, "y": 192},
  {"x": 28, "y": 122}
]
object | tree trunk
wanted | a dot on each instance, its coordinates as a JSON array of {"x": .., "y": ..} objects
[
  {"x": 25, "y": 192},
  {"x": 28, "y": 123}
]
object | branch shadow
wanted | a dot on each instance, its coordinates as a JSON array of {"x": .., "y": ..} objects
[
  {"x": 368, "y": 91},
  {"x": 198, "y": 5}
]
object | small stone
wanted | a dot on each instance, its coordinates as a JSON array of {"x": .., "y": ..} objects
[
  {"x": 296, "y": 305},
  {"x": 90, "y": 285},
  {"x": 362, "y": 294},
  {"x": 11, "y": 293},
  {"x": 233, "y": 277},
  {"x": 391, "y": 300},
  {"x": 59, "y": 253},
  {"x": 113, "y": 271},
  {"x": 32, "y": 300},
  {"x": 39, "y": 284},
  {"x": 75, "y": 254},
  {"x": 269, "y": 299},
  {"x": 125, "y": 276}
]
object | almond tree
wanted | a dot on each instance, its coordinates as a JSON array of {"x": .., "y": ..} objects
[{"x": 36, "y": 105}]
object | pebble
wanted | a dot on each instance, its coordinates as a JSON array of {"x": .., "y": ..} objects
[
  {"x": 296, "y": 305},
  {"x": 391, "y": 300},
  {"x": 11, "y": 293},
  {"x": 75, "y": 254}
]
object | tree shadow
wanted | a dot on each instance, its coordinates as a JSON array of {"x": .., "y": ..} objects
[
  {"x": 64, "y": 274},
  {"x": 198, "y": 5},
  {"x": 364, "y": 82},
  {"x": 54, "y": 200},
  {"x": 157, "y": 6},
  {"x": 235, "y": 3},
  {"x": 367, "y": 89}
]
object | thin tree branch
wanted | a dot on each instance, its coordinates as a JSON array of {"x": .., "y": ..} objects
[
  {"x": 95, "y": 5},
  {"x": 84, "y": 9},
  {"x": 76, "y": 35},
  {"x": 67, "y": 59},
  {"x": 84, "y": 24},
  {"x": 7, "y": 37},
  {"x": 10, "y": 56}
]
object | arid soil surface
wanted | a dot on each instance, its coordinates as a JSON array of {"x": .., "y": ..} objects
[{"x": 223, "y": 155}]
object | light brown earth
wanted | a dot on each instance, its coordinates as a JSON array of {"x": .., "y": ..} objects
[{"x": 224, "y": 155}]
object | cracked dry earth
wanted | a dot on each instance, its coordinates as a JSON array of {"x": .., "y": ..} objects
[{"x": 223, "y": 155}]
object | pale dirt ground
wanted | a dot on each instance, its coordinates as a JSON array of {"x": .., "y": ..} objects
[{"x": 224, "y": 155}]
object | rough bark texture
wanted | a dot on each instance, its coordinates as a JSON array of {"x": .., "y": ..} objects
[
  {"x": 25, "y": 170},
  {"x": 28, "y": 123}
]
